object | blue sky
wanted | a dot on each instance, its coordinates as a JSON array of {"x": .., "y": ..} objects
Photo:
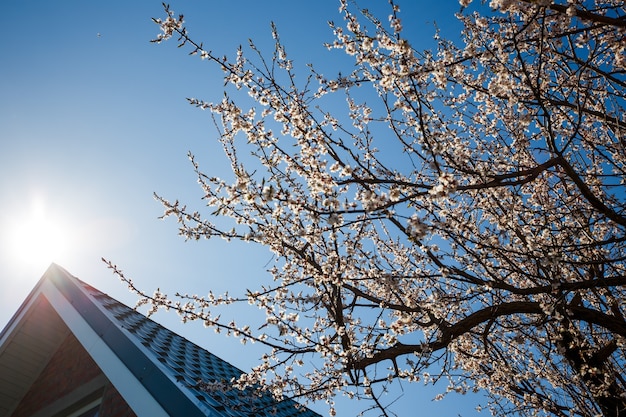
[{"x": 93, "y": 120}]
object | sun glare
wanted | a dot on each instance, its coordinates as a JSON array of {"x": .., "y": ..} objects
[{"x": 37, "y": 238}]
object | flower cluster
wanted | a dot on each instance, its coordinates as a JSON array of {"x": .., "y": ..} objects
[{"x": 169, "y": 26}]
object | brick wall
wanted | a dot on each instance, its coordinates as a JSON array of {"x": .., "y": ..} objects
[
  {"x": 69, "y": 368},
  {"x": 113, "y": 405}
]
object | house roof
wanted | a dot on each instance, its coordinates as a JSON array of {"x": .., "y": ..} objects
[{"x": 154, "y": 369}]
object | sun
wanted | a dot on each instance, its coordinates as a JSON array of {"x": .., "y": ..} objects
[{"x": 37, "y": 237}]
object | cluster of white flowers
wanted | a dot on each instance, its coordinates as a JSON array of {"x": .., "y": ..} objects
[
  {"x": 446, "y": 185},
  {"x": 415, "y": 228},
  {"x": 168, "y": 26}
]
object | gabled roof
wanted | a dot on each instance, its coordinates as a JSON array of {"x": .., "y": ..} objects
[{"x": 155, "y": 370}]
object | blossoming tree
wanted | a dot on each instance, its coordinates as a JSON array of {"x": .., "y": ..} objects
[{"x": 465, "y": 215}]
